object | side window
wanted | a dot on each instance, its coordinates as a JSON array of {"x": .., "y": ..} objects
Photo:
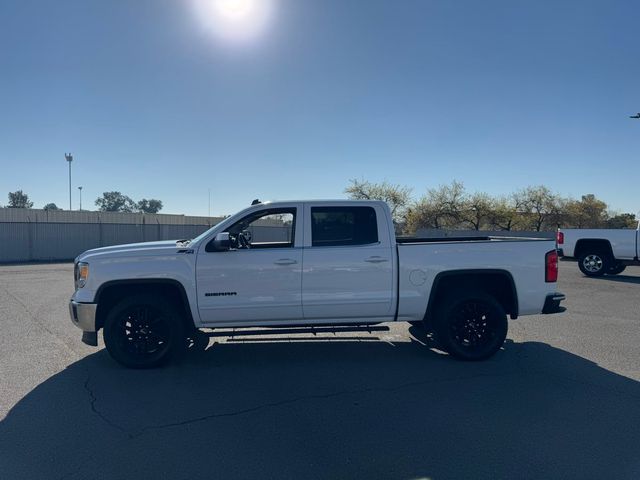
[
  {"x": 273, "y": 228},
  {"x": 334, "y": 226}
]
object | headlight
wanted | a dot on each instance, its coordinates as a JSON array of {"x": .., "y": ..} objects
[{"x": 81, "y": 272}]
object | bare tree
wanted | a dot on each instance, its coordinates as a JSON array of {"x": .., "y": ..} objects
[
  {"x": 540, "y": 204},
  {"x": 477, "y": 209},
  {"x": 441, "y": 207},
  {"x": 396, "y": 196}
]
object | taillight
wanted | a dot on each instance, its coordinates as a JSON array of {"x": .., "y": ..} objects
[
  {"x": 559, "y": 237},
  {"x": 551, "y": 266}
]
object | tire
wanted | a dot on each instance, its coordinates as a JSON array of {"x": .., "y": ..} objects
[
  {"x": 470, "y": 326},
  {"x": 617, "y": 268},
  {"x": 144, "y": 331},
  {"x": 594, "y": 263}
]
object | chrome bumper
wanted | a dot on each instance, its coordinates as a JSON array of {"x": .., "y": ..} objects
[{"x": 83, "y": 315}]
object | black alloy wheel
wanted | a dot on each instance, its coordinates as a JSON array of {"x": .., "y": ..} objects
[
  {"x": 471, "y": 327},
  {"x": 144, "y": 332}
]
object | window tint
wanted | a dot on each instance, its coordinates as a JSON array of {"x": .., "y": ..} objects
[
  {"x": 332, "y": 226},
  {"x": 267, "y": 228}
]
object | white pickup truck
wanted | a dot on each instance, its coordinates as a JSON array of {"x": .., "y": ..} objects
[
  {"x": 600, "y": 251},
  {"x": 308, "y": 263}
]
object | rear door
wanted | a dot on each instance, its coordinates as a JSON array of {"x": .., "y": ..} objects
[{"x": 347, "y": 263}]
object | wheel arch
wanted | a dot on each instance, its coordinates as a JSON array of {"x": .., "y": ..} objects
[
  {"x": 496, "y": 282},
  {"x": 599, "y": 244},
  {"x": 110, "y": 292}
]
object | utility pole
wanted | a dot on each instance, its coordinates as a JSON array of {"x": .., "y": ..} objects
[
  {"x": 80, "y": 188},
  {"x": 209, "y": 203},
  {"x": 69, "y": 158}
]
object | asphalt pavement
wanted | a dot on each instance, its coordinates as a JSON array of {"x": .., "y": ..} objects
[{"x": 561, "y": 400}]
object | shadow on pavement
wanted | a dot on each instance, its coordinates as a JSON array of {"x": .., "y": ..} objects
[
  {"x": 619, "y": 278},
  {"x": 329, "y": 409}
]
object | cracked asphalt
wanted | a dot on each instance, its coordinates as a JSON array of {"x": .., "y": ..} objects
[{"x": 562, "y": 400}]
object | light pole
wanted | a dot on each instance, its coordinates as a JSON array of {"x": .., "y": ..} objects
[
  {"x": 69, "y": 158},
  {"x": 80, "y": 188}
]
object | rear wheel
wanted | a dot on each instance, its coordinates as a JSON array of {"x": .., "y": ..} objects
[
  {"x": 470, "y": 326},
  {"x": 619, "y": 267},
  {"x": 594, "y": 263},
  {"x": 144, "y": 331}
]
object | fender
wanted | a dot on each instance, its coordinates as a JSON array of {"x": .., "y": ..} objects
[
  {"x": 465, "y": 272},
  {"x": 149, "y": 281}
]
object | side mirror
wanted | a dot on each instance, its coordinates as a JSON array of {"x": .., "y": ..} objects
[{"x": 221, "y": 242}]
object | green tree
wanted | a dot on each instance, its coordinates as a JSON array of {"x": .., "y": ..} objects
[
  {"x": 396, "y": 196},
  {"x": 19, "y": 199},
  {"x": 149, "y": 206},
  {"x": 622, "y": 220},
  {"x": 51, "y": 206},
  {"x": 115, "y": 202},
  {"x": 588, "y": 212}
]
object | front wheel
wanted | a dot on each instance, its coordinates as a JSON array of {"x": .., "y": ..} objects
[
  {"x": 594, "y": 264},
  {"x": 470, "y": 326},
  {"x": 144, "y": 331}
]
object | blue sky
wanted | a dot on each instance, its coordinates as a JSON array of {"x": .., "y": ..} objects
[{"x": 497, "y": 94}]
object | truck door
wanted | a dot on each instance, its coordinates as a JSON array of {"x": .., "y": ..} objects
[
  {"x": 259, "y": 283},
  {"x": 348, "y": 264}
]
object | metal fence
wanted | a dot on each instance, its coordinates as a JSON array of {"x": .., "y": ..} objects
[
  {"x": 23, "y": 242},
  {"x": 39, "y": 235},
  {"x": 28, "y": 235}
]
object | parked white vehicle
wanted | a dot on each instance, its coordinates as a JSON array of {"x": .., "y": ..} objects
[
  {"x": 600, "y": 251},
  {"x": 310, "y": 263}
]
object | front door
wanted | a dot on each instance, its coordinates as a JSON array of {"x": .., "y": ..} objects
[{"x": 260, "y": 277}]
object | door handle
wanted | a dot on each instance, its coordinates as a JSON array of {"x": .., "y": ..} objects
[
  {"x": 285, "y": 261},
  {"x": 376, "y": 259}
]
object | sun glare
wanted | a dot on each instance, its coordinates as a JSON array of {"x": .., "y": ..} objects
[{"x": 235, "y": 20}]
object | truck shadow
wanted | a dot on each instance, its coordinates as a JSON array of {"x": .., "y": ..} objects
[
  {"x": 329, "y": 409},
  {"x": 619, "y": 278}
]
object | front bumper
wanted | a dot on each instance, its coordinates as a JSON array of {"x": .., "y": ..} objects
[
  {"x": 83, "y": 316},
  {"x": 552, "y": 303}
]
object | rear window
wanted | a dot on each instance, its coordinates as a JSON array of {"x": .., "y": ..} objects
[{"x": 335, "y": 226}]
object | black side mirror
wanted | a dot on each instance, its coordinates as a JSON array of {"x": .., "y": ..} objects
[{"x": 221, "y": 242}]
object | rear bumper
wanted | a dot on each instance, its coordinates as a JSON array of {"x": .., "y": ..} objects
[
  {"x": 83, "y": 316},
  {"x": 552, "y": 303}
]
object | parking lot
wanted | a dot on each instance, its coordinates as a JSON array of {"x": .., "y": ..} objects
[{"x": 562, "y": 400}]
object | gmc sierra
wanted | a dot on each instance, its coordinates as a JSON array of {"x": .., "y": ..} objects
[{"x": 310, "y": 263}]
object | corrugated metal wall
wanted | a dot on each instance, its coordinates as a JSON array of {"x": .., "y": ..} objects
[
  {"x": 21, "y": 241},
  {"x": 39, "y": 235}
]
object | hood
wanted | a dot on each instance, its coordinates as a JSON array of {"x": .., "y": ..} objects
[{"x": 144, "y": 248}]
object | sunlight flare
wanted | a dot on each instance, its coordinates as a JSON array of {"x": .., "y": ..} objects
[{"x": 234, "y": 20}]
